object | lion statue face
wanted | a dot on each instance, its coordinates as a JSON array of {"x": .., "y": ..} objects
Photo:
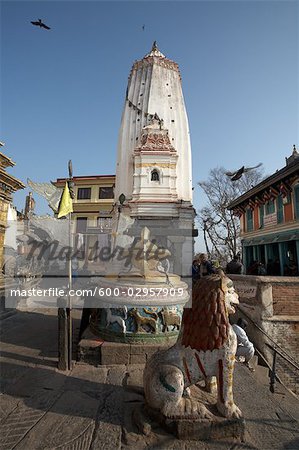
[{"x": 231, "y": 297}]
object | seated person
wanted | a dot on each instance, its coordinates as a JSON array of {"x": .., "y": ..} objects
[{"x": 245, "y": 348}]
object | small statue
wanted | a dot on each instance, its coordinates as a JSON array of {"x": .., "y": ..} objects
[
  {"x": 143, "y": 321},
  {"x": 205, "y": 348},
  {"x": 155, "y": 122},
  {"x": 47, "y": 190},
  {"x": 146, "y": 256},
  {"x": 29, "y": 206},
  {"x": 170, "y": 318},
  {"x": 112, "y": 318}
]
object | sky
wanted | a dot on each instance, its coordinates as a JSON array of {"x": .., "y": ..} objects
[{"x": 63, "y": 90}]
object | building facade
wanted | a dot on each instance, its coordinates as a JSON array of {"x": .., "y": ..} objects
[
  {"x": 8, "y": 185},
  {"x": 93, "y": 208},
  {"x": 269, "y": 219}
]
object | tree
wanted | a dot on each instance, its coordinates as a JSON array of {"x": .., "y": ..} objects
[{"x": 221, "y": 229}]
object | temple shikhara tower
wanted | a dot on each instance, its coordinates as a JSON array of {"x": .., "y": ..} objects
[
  {"x": 154, "y": 91},
  {"x": 154, "y": 151}
]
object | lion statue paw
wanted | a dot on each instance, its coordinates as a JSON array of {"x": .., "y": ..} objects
[{"x": 230, "y": 411}]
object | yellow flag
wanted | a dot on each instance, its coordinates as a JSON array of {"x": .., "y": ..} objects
[{"x": 66, "y": 204}]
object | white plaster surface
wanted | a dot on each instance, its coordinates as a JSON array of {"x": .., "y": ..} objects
[{"x": 154, "y": 87}]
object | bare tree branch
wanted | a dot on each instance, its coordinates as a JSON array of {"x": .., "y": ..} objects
[{"x": 220, "y": 227}]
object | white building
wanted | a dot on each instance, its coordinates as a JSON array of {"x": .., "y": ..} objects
[
  {"x": 154, "y": 157},
  {"x": 154, "y": 87}
]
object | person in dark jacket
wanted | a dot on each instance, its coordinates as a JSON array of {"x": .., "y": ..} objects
[
  {"x": 253, "y": 268},
  {"x": 195, "y": 270},
  {"x": 205, "y": 267},
  {"x": 234, "y": 266}
]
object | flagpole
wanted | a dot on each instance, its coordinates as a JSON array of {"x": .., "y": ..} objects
[
  {"x": 69, "y": 309},
  {"x": 69, "y": 305},
  {"x": 64, "y": 312}
]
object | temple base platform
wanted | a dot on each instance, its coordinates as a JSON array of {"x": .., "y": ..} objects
[{"x": 96, "y": 351}]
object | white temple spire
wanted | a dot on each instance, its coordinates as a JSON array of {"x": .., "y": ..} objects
[{"x": 154, "y": 87}]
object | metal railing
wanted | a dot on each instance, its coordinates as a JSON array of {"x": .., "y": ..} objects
[
  {"x": 277, "y": 350},
  {"x": 272, "y": 371}
]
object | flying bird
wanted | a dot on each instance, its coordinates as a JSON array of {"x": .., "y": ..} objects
[
  {"x": 234, "y": 176},
  {"x": 143, "y": 27},
  {"x": 40, "y": 24}
]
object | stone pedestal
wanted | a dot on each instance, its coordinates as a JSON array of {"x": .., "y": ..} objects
[
  {"x": 89, "y": 349},
  {"x": 200, "y": 429},
  {"x": 145, "y": 311},
  {"x": 194, "y": 426}
]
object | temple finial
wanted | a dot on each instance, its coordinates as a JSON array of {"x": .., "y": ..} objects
[
  {"x": 294, "y": 156},
  {"x": 155, "y": 51}
]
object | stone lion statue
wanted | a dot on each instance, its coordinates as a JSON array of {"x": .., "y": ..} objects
[{"x": 205, "y": 349}]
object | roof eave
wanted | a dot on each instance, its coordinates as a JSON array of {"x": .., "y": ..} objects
[{"x": 280, "y": 175}]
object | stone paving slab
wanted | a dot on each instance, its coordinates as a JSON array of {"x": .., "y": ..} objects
[
  {"x": 7, "y": 405},
  {"x": 24, "y": 417},
  {"x": 261, "y": 410},
  {"x": 68, "y": 421}
]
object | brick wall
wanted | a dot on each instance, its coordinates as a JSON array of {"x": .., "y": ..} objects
[
  {"x": 286, "y": 298},
  {"x": 271, "y": 304},
  {"x": 286, "y": 335}
]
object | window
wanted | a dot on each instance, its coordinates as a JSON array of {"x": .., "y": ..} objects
[
  {"x": 84, "y": 194},
  {"x": 287, "y": 199},
  {"x": 249, "y": 219},
  {"x": 262, "y": 211},
  {"x": 155, "y": 175},
  {"x": 81, "y": 224},
  {"x": 270, "y": 207},
  {"x": 279, "y": 201},
  {"x": 104, "y": 223},
  {"x": 296, "y": 201},
  {"x": 106, "y": 192}
]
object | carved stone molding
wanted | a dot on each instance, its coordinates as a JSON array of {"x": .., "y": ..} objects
[
  {"x": 150, "y": 60},
  {"x": 155, "y": 139}
]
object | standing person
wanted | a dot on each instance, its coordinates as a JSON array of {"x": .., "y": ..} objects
[
  {"x": 234, "y": 266},
  {"x": 253, "y": 268},
  {"x": 261, "y": 270},
  {"x": 245, "y": 348},
  {"x": 276, "y": 267},
  {"x": 269, "y": 267},
  {"x": 205, "y": 267},
  {"x": 195, "y": 270}
]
